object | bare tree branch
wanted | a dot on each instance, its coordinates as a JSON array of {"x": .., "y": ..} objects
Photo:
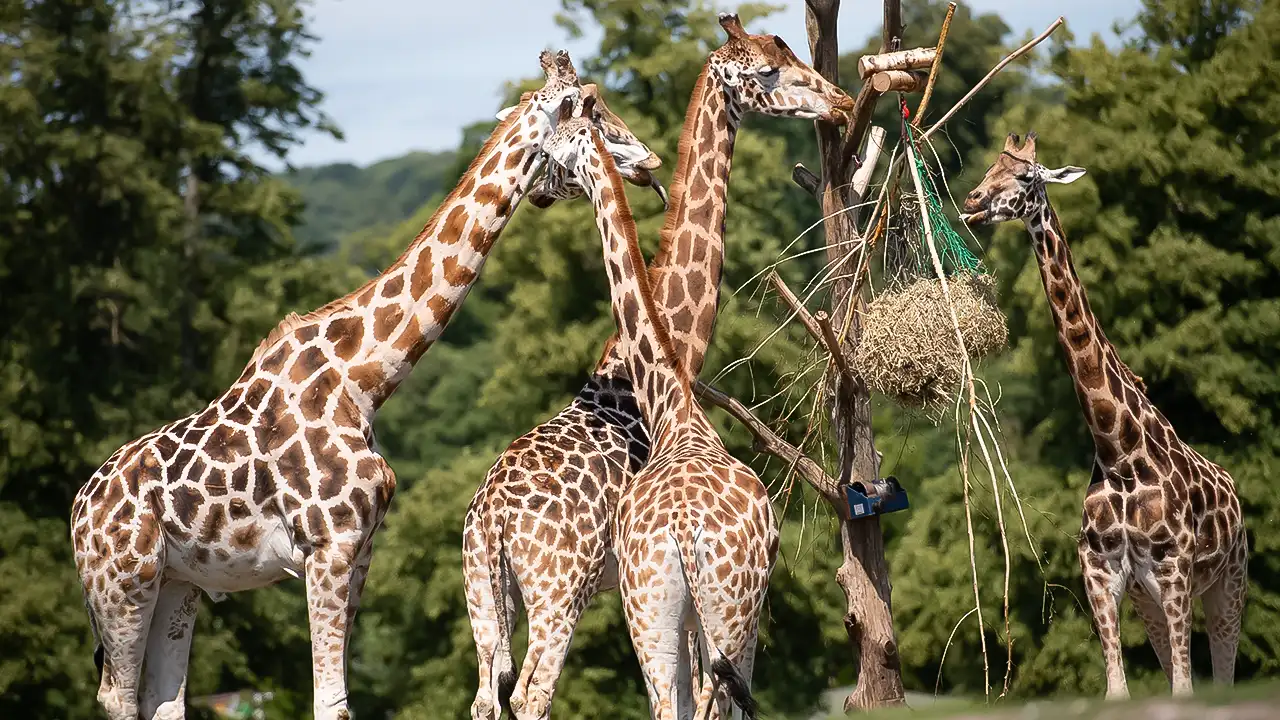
[
  {"x": 832, "y": 343},
  {"x": 767, "y": 441},
  {"x": 999, "y": 66}
]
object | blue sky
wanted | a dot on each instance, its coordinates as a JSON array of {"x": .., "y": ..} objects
[{"x": 401, "y": 75}]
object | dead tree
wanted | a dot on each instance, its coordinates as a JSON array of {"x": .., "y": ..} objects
[{"x": 864, "y": 573}]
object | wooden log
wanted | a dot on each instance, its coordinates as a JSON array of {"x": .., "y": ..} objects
[
  {"x": 899, "y": 81},
  {"x": 862, "y": 177},
  {"x": 913, "y": 59}
]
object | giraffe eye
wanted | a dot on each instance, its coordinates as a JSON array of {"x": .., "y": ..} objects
[{"x": 767, "y": 71}]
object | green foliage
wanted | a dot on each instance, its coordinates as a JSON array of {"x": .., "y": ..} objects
[
  {"x": 341, "y": 198},
  {"x": 143, "y": 254}
]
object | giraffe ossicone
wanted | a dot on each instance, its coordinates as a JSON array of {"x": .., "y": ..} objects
[
  {"x": 516, "y": 548},
  {"x": 279, "y": 475},
  {"x": 1160, "y": 522}
]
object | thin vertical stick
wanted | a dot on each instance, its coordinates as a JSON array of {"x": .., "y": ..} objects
[
  {"x": 964, "y": 458},
  {"x": 1004, "y": 544},
  {"x": 937, "y": 65}
]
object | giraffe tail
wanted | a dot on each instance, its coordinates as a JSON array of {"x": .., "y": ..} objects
[
  {"x": 504, "y": 675},
  {"x": 724, "y": 671}
]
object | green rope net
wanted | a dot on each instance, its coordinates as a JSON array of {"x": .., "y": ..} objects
[{"x": 952, "y": 249}]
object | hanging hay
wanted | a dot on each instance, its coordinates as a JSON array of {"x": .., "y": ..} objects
[{"x": 908, "y": 349}]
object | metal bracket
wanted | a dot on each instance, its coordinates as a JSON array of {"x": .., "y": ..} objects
[{"x": 879, "y": 497}]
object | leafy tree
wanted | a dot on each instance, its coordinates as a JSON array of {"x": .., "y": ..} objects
[{"x": 143, "y": 251}]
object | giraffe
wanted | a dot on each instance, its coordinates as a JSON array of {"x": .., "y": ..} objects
[
  {"x": 279, "y": 476},
  {"x": 518, "y": 543},
  {"x": 1160, "y": 521},
  {"x": 695, "y": 532}
]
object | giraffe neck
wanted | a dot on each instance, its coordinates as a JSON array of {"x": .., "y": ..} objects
[
  {"x": 685, "y": 272},
  {"x": 377, "y": 333},
  {"x": 643, "y": 340},
  {"x": 1110, "y": 395}
]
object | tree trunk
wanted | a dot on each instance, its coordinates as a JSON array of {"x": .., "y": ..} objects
[{"x": 864, "y": 574}]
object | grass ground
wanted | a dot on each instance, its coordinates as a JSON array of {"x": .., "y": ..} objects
[{"x": 1253, "y": 701}]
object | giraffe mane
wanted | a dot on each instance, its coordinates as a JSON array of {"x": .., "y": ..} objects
[
  {"x": 1134, "y": 377},
  {"x": 679, "y": 178},
  {"x": 628, "y": 223},
  {"x": 293, "y": 320}
]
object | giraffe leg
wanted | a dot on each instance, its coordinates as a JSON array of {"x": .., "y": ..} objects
[
  {"x": 1224, "y": 611},
  {"x": 655, "y": 603},
  {"x": 689, "y": 686},
  {"x": 328, "y": 576},
  {"x": 1105, "y": 587},
  {"x": 485, "y": 619},
  {"x": 168, "y": 650},
  {"x": 553, "y": 613},
  {"x": 728, "y": 606},
  {"x": 746, "y": 667},
  {"x": 123, "y": 620},
  {"x": 1152, "y": 614},
  {"x": 550, "y": 634},
  {"x": 1175, "y": 598},
  {"x": 359, "y": 573}
]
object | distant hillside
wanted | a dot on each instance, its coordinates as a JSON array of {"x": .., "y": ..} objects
[{"x": 342, "y": 198}]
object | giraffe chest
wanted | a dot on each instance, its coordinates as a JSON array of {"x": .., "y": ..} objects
[{"x": 258, "y": 552}]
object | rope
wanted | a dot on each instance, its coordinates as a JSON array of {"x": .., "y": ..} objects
[{"x": 952, "y": 249}]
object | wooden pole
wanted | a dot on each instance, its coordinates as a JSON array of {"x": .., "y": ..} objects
[
  {"x": 864, "y": 572},
  {"x": 936, "y": 66}
]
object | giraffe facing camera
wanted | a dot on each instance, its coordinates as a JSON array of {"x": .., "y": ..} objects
[{"x": 1161, "y": 523}]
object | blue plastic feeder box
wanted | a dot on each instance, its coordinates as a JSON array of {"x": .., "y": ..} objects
[{"x": 876, "y": 498}]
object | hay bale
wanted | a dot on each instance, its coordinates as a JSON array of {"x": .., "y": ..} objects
[{"x": 908, "y": 350}]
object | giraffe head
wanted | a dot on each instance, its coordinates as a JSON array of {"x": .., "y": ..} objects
[
  {"x": 634, "y": 160},
  {"x": 1013, "y": 187},
  {"x": 764, "y": 76},
  {"x": 544, "y": 106},
  {"x": 567, "y": 145}
]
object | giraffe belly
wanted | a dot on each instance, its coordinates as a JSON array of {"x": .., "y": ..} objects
[{"x": 221, "y": 568}]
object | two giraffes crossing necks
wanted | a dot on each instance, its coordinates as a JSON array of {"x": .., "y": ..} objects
[{"x": 629, "y": 486}]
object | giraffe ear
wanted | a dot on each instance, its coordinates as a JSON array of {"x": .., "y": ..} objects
[
  {"x": 504, "y": 112},
  {"x": 731, "y": 74},
  {"x": 1062, "y": 175}
]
